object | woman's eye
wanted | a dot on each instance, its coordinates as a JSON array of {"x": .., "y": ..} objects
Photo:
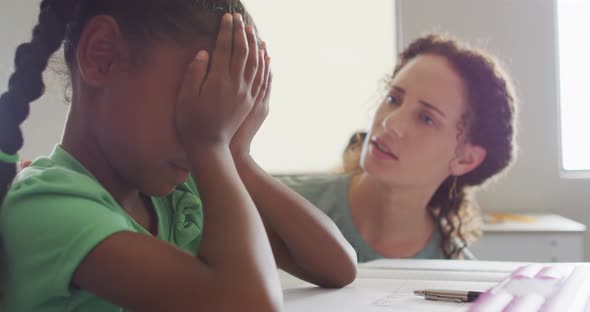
[
  {"x": 427, "y": 120},
  {"x": 392, "y": 100}
]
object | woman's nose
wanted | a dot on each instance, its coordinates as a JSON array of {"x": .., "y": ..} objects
[{"x": 395, "y": 122}]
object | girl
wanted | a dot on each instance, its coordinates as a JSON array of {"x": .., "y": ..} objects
[
  {"x": 167, "y": 95},
  {"x": 447, "y": 124}
]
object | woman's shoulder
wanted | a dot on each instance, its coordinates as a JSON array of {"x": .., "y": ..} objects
[
  {"x": 328, "y": 192},
  {"x": 316, "y": 184},
  {"x": 313, "y": 180}
]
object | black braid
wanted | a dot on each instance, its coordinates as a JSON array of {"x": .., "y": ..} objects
[{"x": 26, "y": 83}]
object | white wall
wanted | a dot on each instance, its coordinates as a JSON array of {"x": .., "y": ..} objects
[
  {"x": 327, "y": 57},
  {"x": 523, "y": 34}
]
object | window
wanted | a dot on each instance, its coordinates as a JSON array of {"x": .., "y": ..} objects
[{"x": 573, "y": 27}]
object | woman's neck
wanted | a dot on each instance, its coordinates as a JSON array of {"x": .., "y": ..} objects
[{"x": 392, "y": 220}]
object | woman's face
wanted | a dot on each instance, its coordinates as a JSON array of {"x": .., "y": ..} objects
[{"x": 415, "y": 133}]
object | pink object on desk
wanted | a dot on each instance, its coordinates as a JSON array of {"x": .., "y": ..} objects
[{"x": 549, "y": 288}]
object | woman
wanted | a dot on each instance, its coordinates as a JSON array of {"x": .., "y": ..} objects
[{"x": 446, "y": 125}]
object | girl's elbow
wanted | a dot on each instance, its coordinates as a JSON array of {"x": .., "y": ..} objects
[
  {"x": 347, "y": 277},
  {"x": 352, "y": 266},
  {"x": 347, "y": 273},
  {"x": 342, "y": 277}
]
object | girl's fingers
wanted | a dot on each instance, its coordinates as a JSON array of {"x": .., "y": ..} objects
[
  {"x": 268, "y": 88},
  {"x": 260, "y": 75},
  {"x": 266, "y": 84},
  {"x": 240, "y": 48},
  {"x": 223, "y": 46},
  {"x": 253, "y": 55}
]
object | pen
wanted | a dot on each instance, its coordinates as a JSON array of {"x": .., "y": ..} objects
[{"x": 448, "y": 295}]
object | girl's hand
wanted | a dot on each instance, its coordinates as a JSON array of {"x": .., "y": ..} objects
[
  {"x": 212, "y": 105},
  {"x": 240, "y": 144}
]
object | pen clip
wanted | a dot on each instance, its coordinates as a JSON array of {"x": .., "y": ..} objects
[{"x": 443, "y": 298}]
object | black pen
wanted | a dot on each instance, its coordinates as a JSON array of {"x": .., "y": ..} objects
[{"x": 448, "y": 295}]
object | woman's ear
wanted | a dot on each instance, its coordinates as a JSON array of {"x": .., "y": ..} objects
[
  {"x": 101, "y": 44},
  {"x": 469, "y": 158}
]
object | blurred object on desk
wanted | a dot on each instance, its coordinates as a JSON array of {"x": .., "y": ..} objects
[
  {"x": 499, "y": 217},
  {"x": 530, "y": 237}
]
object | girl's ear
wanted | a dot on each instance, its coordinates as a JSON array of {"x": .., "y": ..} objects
[
  {"x": 470, "y": 157},
  {"x": 101, "y": 46}
]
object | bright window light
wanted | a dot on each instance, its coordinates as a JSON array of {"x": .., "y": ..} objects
[{"x": 574, "y": 78}]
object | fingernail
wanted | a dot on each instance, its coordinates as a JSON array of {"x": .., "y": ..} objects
[
  {"x": 250, "y": 30},
  {"x": 201, "y": 56}
]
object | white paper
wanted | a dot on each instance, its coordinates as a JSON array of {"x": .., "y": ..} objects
[
  {"x": 406, "y": 274},
  {"x": 444, "y": 265},
  {"x": 377, "y": 295},
  {"x": 388, "y": 285},
  {"x": 455, "y": 265}
]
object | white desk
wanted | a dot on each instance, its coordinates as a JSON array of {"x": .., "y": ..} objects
[
  {"x": 550, "y": 238},
  {"x": 388, "y": 285}
]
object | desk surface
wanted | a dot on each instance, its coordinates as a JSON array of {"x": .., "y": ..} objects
[
  {"x": 535, "y": 222},
  {"x": 388, "y": 285}
]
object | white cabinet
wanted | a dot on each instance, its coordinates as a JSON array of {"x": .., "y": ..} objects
[{"x": 546, "y": 238}]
